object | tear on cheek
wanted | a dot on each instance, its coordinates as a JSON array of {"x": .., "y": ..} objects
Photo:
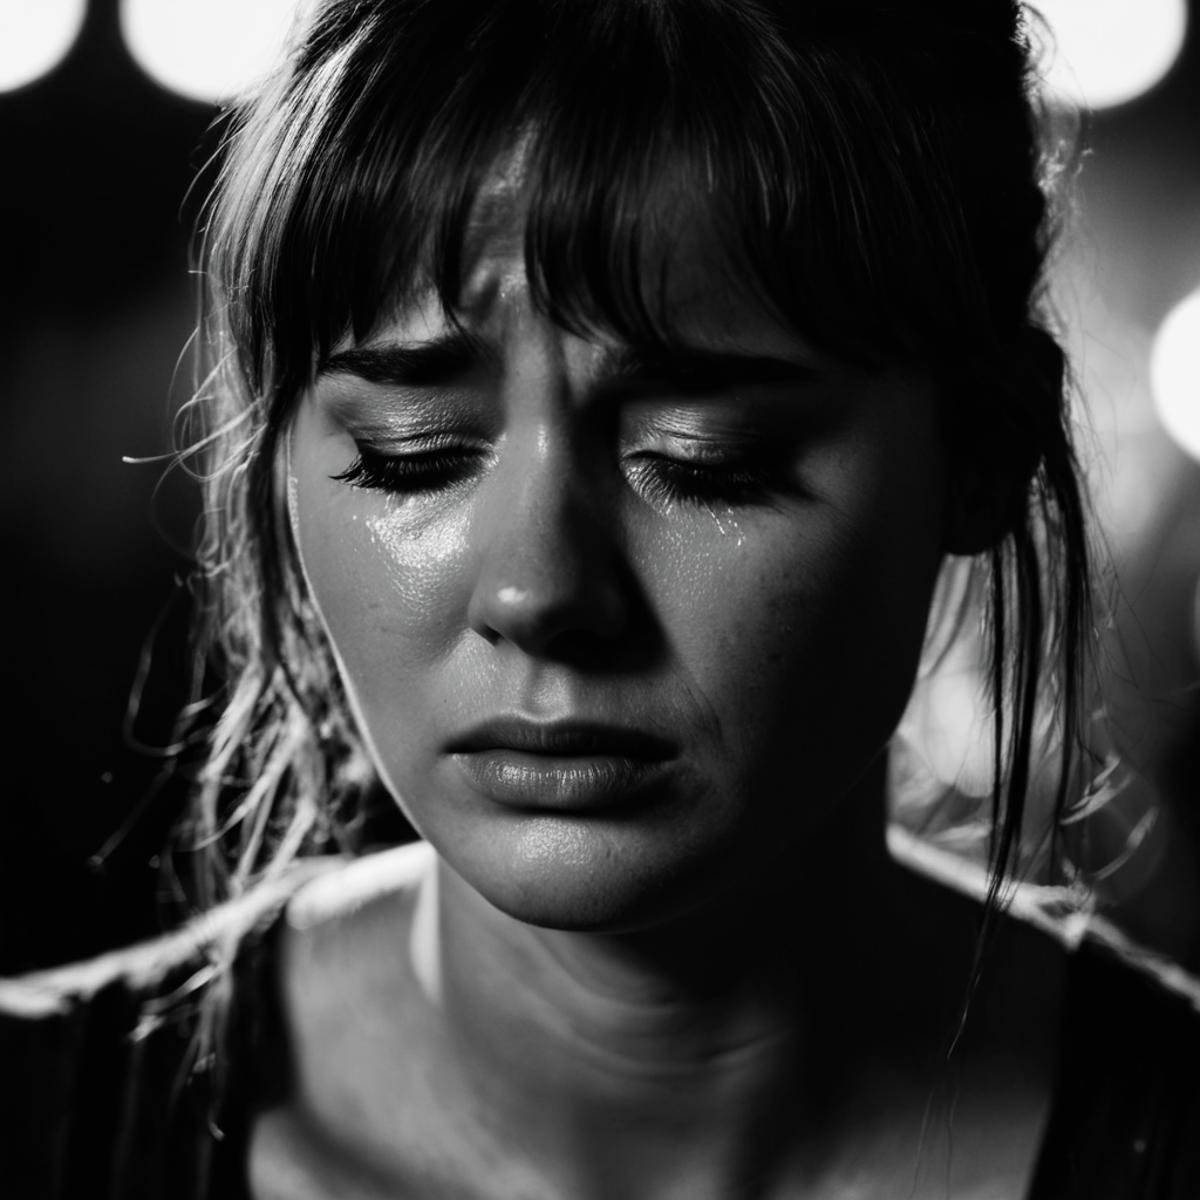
[{"x": 425, "y": 565}]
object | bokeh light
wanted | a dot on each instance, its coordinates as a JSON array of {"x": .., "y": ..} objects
[
  {"x": 1175, "y": 373},
  {"x": 1107, "y": 52},
  {"x": 35, "y": 36},
  {"x": 207, "y": 50}
]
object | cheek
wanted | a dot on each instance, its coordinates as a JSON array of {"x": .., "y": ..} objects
[
  {"x": 388, "y": 579},
  {"x": 799, "y": 632},
  {"x": 384, "y": 588}
]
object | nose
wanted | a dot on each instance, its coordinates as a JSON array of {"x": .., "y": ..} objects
[{"x": 551, "y": 579}]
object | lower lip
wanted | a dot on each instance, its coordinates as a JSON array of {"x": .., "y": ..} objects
[{"x": 559, "y": 783}]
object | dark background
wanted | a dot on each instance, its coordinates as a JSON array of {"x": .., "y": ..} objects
[{"x": 96, "y": 308}]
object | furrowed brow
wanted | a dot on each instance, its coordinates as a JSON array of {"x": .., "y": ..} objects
[{"x": 441, "y": 360}]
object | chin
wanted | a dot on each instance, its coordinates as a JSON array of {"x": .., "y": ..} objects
[{"x": 588, "y": 875}]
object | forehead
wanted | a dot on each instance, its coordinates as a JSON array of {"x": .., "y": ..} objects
[{"x": 687, "y": 273}]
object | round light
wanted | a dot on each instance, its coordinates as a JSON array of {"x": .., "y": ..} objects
[
  {"x": 1106, "y": 52},
  {"x": 207, "y": 50},
  {"x": 35, "y": 36},
  {"x": 1175, "y": 373}
]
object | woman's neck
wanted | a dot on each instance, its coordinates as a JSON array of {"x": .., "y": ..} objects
[
  {"x": 757, "y": 1048},
  {"x": 701, "y": 1038}
]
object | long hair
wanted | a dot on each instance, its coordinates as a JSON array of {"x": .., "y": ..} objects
[{"x": 875, "y": 173}]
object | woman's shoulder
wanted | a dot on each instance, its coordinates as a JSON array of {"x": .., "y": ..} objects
[
  {"x": 98, "y": 1095},
  {"x": 331, "y": 902},
  {"x": 1124, "y": 1111},
  {"x": 355, "y": 935},
  {"x": 357, "y": 941},
  {"x": 1126, "y": 1114},
  {"x": 149, "y": 968},
  {"x": 316, "y": 904}
]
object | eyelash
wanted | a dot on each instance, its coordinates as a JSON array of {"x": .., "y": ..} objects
[
  {"x": 409, "y": 474},
  {"x": 673, "y": 480},
  {"x": 659, "y": 477}
]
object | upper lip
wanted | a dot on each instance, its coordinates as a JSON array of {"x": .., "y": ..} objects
[{"x": 562, "y": 737}]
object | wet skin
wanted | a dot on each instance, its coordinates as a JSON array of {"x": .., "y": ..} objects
[
  {"x": 624, "y": 632},
  {"x": 725, "y": 554}
]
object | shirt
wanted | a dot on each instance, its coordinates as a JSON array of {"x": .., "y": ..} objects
[{"x": 101, "y": 1099}]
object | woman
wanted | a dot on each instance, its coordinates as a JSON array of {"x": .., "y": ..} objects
[{"x": 597, "y": 392}]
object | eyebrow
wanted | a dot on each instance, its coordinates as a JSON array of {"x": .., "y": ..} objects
[
  {"x": 438, "y": 361},
  {"x": 697, "y": 371},
  {"x": 622, "y": 370}
]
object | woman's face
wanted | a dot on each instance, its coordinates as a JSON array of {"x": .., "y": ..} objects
[{"x": 619, "y": 628}]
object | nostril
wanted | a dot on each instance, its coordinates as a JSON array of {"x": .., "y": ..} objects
[{"x": 569, "y": 605}]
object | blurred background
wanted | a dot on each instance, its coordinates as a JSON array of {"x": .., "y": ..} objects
[{"x": 105, "y": 108}]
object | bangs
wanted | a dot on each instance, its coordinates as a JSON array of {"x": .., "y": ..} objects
[{"x": 352, "y": 183}]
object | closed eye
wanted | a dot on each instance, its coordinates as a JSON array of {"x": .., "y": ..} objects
[
  {"x": 412, "y": 472},
  {"x": 663, "y": 478}
]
